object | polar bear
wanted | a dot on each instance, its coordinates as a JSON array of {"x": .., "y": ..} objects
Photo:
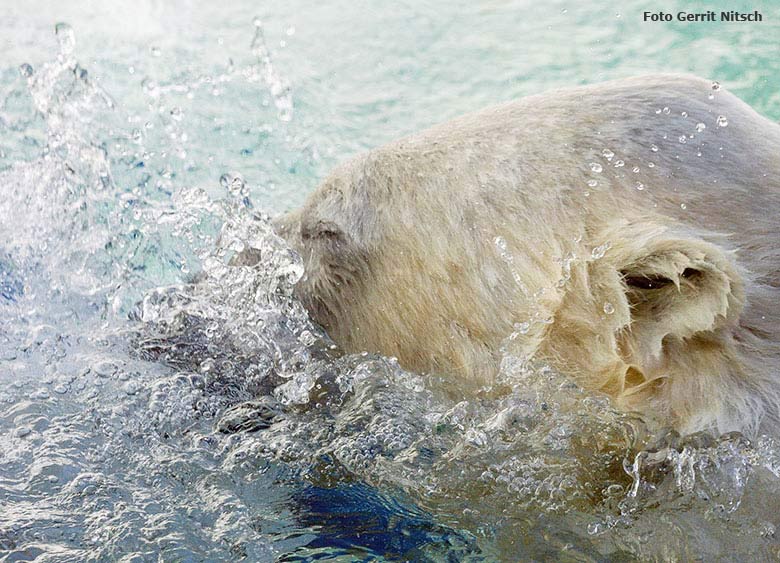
[{"x": 624, "y": 233}]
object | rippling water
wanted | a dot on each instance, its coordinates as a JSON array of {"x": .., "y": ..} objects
[{"x": 157, "y": 403}]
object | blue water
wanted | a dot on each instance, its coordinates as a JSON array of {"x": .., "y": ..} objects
[{"x": 145, "y": 417}]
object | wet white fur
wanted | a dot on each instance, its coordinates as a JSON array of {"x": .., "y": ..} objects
[{"x": 437, "y": 247}]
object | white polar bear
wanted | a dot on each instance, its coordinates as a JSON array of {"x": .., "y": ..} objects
[{"x": 625, "y": 233}]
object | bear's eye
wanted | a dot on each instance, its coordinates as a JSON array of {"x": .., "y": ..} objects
[
  {"x": 650, "y": 281},
  {"x": 321, "y": 229}
]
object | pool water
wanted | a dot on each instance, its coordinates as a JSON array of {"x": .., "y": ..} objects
[{"x": 159, "y": 404}]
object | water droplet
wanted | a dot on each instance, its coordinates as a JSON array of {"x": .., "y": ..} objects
[
  {"x": 683, "y": 206},
  {"x": 66, "y": 38},
  {"x": 234, "y": 183},
  {"x": 155, "y": 51},
  {"x": 26, "y": 70},
  {"x": 176, "y": 113},
  {"x": 500, "y": 243},
  {"x": 599, "y": 251},
  {"x": 61, "y": 389},
  {"x": 595, "y": 166},
  {"x": 105, "y": 369},
  {"x": 635, "y": 169},
  {"x": 40, "y": 394},
  {"x": 684, "y": 114},
  {"x": 150, "y": 88},
  {"x": 609, "y": 308},
  {"x": 80, "y": 73},
  {"x": 132, "y": 387},
  {"x": 654, "y": 148},
  {"x": 722, "y": 121},
  {"x": 290, "y": 31},
  {"x": 667, "y": 111},
  {"x": 640, "y": 186},
  {"x": 592, "y": 183},
  {"x": 683, "y": 139},
  {"x": 700, "y": 127},
  {"x": 619, "y": 164},
  {"x": 257, "y": 22},
  {"x": 522, "y": 328},
  {"x": 651, "y": 164},
  {"x": 608, "y": 154},
  {"x": 23, "y": 431},
  {"x": 716, "y": 86}
]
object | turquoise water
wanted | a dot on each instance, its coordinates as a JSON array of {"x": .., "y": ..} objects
[{"x": 144, "y": 418}]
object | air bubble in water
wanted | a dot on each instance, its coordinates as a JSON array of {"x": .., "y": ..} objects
[
  {"x": 654, "y": 148},
  {"x": 595, "y": 166},
  {"x": 640, "y": 186},
  {"x": 155, "y": 51},
  {"x": 592, "y": 183},
  {"x": 667, "y": 111},
  {"x": 722, "y": 121},
  {"x": 700, "y": 127},
  {"x": 619, "y": 164},
  {"x": 609, "y": 308},
  {"x": 683, "y": 139},
  {"x": 684, "y": 114},
  {"x": 26, "y": 70},
  {"x": 608, "y": 154},
  {"x": 635, "y": 169},
  {"x": 683, "y": 206}
]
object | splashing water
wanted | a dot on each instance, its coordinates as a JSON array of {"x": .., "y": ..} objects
[{"x": 161, "y": 398}]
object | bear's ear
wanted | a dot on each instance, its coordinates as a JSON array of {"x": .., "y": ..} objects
[{"x": 679, "y": 286}]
